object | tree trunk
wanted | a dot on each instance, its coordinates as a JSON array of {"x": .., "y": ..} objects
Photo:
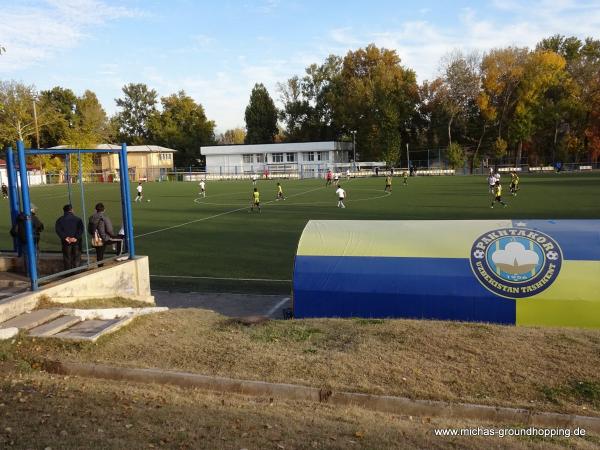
[
  {"x": 450, "y": 129},
  {"x": 554, "y": 143},
  {"x": 519, "y": 153},
  {"x": 477, "y": 149}
]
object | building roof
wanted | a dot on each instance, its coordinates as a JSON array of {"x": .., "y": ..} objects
[
  {"x": 242, "y": 149},
  {"x": 130, "y": 148}
]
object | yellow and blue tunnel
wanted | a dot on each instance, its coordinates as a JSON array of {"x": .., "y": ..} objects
[{"x": 524, "y": 272}]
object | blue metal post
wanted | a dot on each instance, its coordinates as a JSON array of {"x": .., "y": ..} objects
[
  {"x": 30, "y": 249},
  {"x": 123, "y": 199},
  {"x": 87, "y": 247},
  {"x": 128, "y": 219},
  {"x": 68, "y": 164},
  {"x": 13, "y": 193}
]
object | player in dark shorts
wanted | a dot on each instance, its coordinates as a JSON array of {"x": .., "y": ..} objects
[
  {"x": 498, "y": 195},
  {"x": 255, "y": 200}
]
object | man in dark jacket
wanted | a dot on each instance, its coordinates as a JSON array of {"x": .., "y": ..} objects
[
  {"x": 101, "y": 222},
  {"x": 18, "y": 231},
  {"x": 69, "y": 229}
]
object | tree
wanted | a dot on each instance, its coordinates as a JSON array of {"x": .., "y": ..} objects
[
  {"x": 233, "y": 136},
  {"x": 90, "y": 123},
  {"x": 16, "y": 112},
  {"x": 456, "y": 156},
  {"x": 261, "y": 117},
  {"x": 462, "y": 81},
  {"x": 183, "y": 126},
  {"x": 63, "y": 101},
  {"x": 376, "y": 96},
  {"x": 307, "y": 108},
  {"x": 542, "y": 71},
  {"x": 137, "y": 106}
]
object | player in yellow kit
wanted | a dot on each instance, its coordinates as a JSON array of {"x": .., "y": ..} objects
[
  {"x": 280, "y": 195},
  {"x": 498, "y": 195},
  {"x": 514, "y": 183},
  {"x": 388, "y": 184},
  {"x": 255, "y": 200}
]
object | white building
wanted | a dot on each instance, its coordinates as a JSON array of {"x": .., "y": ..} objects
[{"x": 306, "y": 159}]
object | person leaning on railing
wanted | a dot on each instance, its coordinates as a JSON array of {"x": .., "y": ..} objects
[{"x": 102, "y": 224}]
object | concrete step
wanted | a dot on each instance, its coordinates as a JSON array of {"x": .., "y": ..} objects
[
  {"x": 32, "y": 319},
  {"x": 10, "y": 291},
  {"x": 9, "y": 279},
  {"x": 91, "y": 330},
  {"x": 55, "y": 326}
]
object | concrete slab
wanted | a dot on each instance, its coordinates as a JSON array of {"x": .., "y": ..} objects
[
  {"x": 54, "y": 326},
  {"x": 231, "y": 305},
  {"x": 91, "y": 330},
  {"x": 31, "y": 320},
  {"x": 8, "y": 333}
]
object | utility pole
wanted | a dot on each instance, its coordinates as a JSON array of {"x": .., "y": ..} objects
[
  {"x": 407, "y": 157},
  {"x": 37, "y": 134},
  {"x": 354, "y": 147}
]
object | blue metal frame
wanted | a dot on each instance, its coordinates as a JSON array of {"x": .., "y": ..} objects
[
  {"x": 30, "y": 246},
  {"x": 14, "y": 198},
  {"x": 13, "y": 193}
]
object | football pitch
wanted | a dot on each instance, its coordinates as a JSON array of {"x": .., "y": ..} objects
[{"x": 215, "y": 243}]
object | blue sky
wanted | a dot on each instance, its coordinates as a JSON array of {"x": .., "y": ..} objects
[{"x": 217, "y": 50}]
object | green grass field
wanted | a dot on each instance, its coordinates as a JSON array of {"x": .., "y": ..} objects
[{"x": 217, "y": 237}]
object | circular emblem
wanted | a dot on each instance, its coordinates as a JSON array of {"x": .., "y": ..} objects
[{"x": 516, "y": 262}]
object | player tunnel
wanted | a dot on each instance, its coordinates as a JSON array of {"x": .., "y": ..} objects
[{"x": 525, "y": 272}]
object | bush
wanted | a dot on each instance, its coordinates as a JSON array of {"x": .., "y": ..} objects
[{"x": 456, "y": 156}]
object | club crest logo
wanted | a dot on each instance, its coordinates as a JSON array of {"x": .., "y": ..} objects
[{"x": 516, "y": 262}]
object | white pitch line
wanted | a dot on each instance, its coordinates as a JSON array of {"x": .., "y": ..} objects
[
  {"x": 277, "y": 306},
  {"x": 217, "y": 215},
  {"x": 191, "y": 277}
]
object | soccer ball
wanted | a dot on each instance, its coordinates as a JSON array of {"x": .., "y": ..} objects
[{"x": 148, "y": 200}]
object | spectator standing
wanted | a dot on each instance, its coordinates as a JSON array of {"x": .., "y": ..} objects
[
  {"x": 101, "y": 223},
  {"x": 69, "y": 229},
  {"x": 18, "y": 231}
]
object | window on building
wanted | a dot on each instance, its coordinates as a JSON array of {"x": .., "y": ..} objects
[
  {"x": 260, "y": 157},
  {"x": 277, "y": 157},
  {"x": 290, "y": 157},
  {"x": 248, "y": 159},
  {"x": 309, "y": 156},
  {"x": 323, "y": 156}
]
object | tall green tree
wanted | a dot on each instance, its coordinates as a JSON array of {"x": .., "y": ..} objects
[
  {"x": 137, "y": 105},
  {"x": 182, "y": 125},
  {"x": 307, "y": 112},
  {"x": 90, "y": 123},
  {"x": 376, "y": 96},
  {"x": 261, "y": 117},
  {"x": 63, "y": 101}
]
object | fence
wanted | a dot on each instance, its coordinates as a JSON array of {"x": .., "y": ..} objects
[{"x": 297, "y": 172}]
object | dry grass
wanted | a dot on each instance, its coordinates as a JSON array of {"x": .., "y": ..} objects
[
  {"x": 536, "y": 368},
  {"x": 116, "y": 302},
  {"x": 40, "y": 411}
]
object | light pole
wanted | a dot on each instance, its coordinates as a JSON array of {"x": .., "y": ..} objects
[{"x": 353, "y": 147}]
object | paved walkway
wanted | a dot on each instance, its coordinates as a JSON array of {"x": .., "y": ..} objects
[{"x": 232, "y": 305}]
